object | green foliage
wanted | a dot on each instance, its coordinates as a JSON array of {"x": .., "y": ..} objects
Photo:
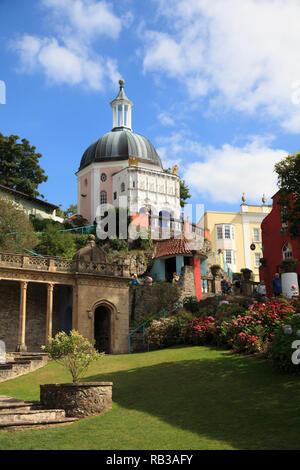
[
  {"x": 118, "y": 244},
  {"x": 19, "y": 165},
  {"x": 144, "y": 242},
  {"x": 72, "y": 210},
  {"x": 73, "y": 351},
  {"x": 288, "y": 171},
  {"x": 165, "y": 332},
  {"x": 80, "y": 240},
  {"x": 40, "y": 225},
  {"x": 55, "y": 243},
  {"x": 281, "y": 349},
  {"x": 15, "y": 220}
]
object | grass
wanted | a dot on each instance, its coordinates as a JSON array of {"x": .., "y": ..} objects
[{"x": 179, "y": 398}]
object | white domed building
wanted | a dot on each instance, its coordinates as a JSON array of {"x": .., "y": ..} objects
[{"x": 124, "y": 166}]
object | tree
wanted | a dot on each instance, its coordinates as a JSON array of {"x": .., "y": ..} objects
[
  {"x": 19, "y": 165},
  {"x": 184, "y": 193},
  {"x": 56, "y": 243},
  {"x": 72, "y": 351},
  {"x": 16, "y": 231},
  {"x": 72, "y": 210},
  {"x": 288, "y": 171}
]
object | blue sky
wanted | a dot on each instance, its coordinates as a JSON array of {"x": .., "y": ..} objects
[{"x": 215, "y": 86}]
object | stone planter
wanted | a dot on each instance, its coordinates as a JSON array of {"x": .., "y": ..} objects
[{"x": 79, "y": 400}]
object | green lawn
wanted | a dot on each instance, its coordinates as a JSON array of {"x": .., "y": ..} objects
[{"x": 177, "y": 398}]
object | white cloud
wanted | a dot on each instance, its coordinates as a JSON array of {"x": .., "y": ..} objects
[
  {"x": 88, "y": 18},
  {"x": 166, "y": 119},
  {"x": 223, "y": 174},
  {"x": 67, "y": 56},
  {"x": 243, "y": 55}
]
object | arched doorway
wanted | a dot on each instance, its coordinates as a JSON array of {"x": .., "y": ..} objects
[{"x": 102, "y": 329}]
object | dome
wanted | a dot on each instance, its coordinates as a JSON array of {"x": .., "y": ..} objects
[{"x": 120, "y": 144}]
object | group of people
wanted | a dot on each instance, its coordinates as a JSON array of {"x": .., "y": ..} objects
[
  {"x": 147, "y": 280},
  {"x": 261, "y": 291}
]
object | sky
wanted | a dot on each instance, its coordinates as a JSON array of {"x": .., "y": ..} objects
[{"x": 215, "y": 86}]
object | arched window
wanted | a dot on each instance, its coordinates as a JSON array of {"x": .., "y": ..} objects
[
  {"x": 103, "y": 197},
  {"x": 287, "y": 251}
]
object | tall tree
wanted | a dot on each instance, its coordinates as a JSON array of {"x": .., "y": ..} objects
[
  {"x": 16, "y": 231},
  {"x": 19, "y": 165},
  {"x": 288, "y": 171}
]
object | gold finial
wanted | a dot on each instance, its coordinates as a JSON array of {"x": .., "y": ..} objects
[
  {"x": 174, "y": 170},
  {"x": 121, "y": 82}
]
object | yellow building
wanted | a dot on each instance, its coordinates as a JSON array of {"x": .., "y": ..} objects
[{"x": 238, "y": 235}]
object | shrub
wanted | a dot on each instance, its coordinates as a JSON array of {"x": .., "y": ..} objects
[
  {"x": 166, "y": 331},
  {"x": 200, "y": 330},
  {"x": 281, "y": 349},
  {"x": 73, "y": 351}
]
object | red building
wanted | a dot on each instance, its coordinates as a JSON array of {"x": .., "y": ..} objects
[{"x": 277, "y": 245}]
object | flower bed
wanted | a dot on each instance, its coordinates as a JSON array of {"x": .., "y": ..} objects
[{"x": 249, "y": 332}]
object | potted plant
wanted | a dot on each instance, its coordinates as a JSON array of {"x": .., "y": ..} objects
[
  {"x": 78, "y": 399},
  {"x": 288, "y": 265},
  {"x": 215, "y": 269},
  {"x": 246, "y": 273}
]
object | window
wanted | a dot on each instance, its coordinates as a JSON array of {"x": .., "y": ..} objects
[
  {"x": 122, "y": 187},
  {"x": 287, "y": 251},
  {"x": 225, "y": 232},
  {"x": 257, "y": 260},
  {"x": 229, "y": 256},
  {"x": 115, "y": 195},
  {"x": 219, "y": 232},
  {"x": 103, "y": 197},
  {"x": 256, "y": 235},
  {"x": 103, "y": 177}
]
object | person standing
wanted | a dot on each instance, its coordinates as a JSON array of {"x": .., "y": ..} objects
[{"x": 276, "y": 285}]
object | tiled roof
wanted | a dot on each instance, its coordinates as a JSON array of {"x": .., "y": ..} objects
[{"x": 175, "y": 246}]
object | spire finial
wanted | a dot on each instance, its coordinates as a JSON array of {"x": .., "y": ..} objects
[
  {"x": 244, "y": 197},
  {"x": 264, "y": 199},
  {"x": 121, "y": 83}
]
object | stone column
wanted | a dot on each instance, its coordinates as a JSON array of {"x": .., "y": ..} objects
[
  {"x": 49, "y": 312},
  {"x": 21, "y": 346}
]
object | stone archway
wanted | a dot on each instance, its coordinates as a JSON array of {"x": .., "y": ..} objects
[{"x": 104, "y": 326}]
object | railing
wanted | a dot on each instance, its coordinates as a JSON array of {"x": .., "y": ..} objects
[
  {"x": 162, "y": 313},
  {"x": 63, "y": 265}
]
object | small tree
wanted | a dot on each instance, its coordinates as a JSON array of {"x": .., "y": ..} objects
[
  {"x": 73, "y": 351},
  {"x": 16, "y": 231}
]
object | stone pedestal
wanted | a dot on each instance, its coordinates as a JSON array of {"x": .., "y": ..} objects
[
  {"x": 79, "y": 400},
  {"x": 247, "y": 288}
]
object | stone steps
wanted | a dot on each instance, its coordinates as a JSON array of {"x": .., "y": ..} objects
[
  {"x": 21, "y": 363},
  {"x": 17, "y": 414}
]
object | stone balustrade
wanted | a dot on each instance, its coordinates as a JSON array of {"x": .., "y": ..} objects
[{"x": 117, "y": 269}]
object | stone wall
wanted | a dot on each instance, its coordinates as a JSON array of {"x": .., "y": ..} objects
[{"x": 149, "y": 300}]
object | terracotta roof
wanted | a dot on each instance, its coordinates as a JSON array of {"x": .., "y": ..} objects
[{"x": 175, "y": 246}]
